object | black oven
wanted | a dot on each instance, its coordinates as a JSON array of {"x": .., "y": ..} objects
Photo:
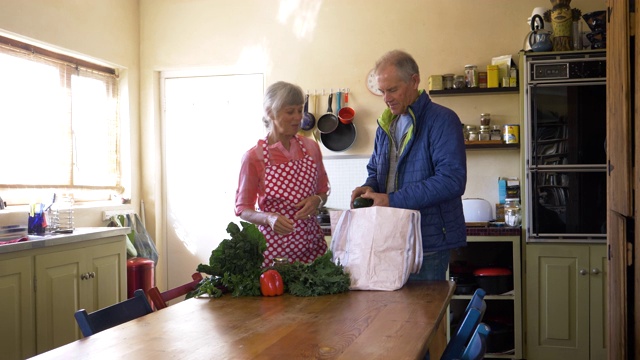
[{"x": 565, "y": 146}]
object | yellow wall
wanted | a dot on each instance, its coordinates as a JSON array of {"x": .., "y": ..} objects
[{"x": 316, "y": 44}]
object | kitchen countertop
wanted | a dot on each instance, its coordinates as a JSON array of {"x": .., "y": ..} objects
[{"x": 78, "y": 235}]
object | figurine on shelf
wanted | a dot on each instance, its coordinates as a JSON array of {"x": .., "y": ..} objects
[{"x": 562, "y": 16}]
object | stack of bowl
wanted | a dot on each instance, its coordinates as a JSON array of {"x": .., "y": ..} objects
[{"x": 597, "y": 22}]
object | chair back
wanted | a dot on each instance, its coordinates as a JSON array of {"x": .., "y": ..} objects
[
  {"x": 478, "y": 344},
  {"x": 476, "y": 300},
  {"x": 457, "y": 343},
  {"x": 160, "y": 299},
  {"x": 105, "y": 318}
]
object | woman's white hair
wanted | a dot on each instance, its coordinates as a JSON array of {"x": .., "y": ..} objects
[{"x": 277, "y": 96}]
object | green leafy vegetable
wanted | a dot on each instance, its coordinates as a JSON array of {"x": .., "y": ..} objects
[
  {"x": 321, "y": 277},
  {"x": 235, "y": 264}
]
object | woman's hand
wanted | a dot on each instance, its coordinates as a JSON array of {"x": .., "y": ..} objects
[
  {"x": 281, "y": 225},
  {"x": 308, "y": 207}
]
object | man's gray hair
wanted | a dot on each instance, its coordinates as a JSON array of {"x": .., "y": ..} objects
[{"x": 406, "y": 65}]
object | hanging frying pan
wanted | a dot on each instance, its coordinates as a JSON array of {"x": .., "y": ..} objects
[
  {"x": 328, "y": 122},
  {"x": 341, "y": 138},
  {"x": 308, "y": 120}
]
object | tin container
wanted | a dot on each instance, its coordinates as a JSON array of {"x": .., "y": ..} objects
[
  {"x": 511, "y": 134},
  {"x": 482, "y": 79},
  {"x": 435, "y": 82},
  {"x": 493, "y": 77}
]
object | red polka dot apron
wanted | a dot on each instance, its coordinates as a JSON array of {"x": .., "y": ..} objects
[{"x": 285, "y": 185}]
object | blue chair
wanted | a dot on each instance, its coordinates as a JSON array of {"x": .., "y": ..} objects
[
  {"x": 476, "y": 300},
  {"x": 478, "y": 344},
  {"x": 472, "y": 317},
  {"x": 113, "y": 315}
]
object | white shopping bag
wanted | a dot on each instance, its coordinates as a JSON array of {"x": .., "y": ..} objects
[{"x": 378, "y": 246}]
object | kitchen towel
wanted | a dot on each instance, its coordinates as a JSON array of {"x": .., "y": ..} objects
[{"x": 378, "y": 246}]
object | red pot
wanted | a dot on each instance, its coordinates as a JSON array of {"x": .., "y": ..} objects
[{"x": 494, "y": 280}]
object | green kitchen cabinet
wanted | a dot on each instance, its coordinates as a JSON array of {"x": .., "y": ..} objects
[
  {"x": 565, "y": 301},
  {"x": 16, "y": 308},
  {"x": 44, "y": 282},
  {"x": 90, "y": 278}
]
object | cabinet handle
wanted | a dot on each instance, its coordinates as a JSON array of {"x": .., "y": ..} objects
[
  {"x": 583, "y": 272},
  {"x": 595, "y": 271},
  {"x": 92, "y": 275},
  {"x": 84, "y": 276}
]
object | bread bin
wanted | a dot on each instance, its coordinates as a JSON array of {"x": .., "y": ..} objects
[{"x": 476, "y": 210}]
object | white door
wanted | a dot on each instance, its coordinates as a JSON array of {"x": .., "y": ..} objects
[{"x": 209, "y": 122}]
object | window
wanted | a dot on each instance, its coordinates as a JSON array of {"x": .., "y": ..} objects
[{"x": 59, "y": 123}]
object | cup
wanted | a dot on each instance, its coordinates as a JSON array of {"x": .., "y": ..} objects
[
  {"x": 37, "y": 222},
  {"x": 576, "y": 35}
]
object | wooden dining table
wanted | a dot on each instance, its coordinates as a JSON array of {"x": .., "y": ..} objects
[{"x": 399, "y": 324}]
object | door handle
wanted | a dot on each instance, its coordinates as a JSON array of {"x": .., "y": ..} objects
[
  {"x": 89, "y": 275},
  {"x": 583, "y": 272}
]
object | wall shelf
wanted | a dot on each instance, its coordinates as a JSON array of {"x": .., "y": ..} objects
[
  {"x": 490, "y": 144},
  {"x": 475, "y": 91}
]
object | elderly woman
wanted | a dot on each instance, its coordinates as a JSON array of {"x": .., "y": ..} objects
[{"x": 285, "y": 175}]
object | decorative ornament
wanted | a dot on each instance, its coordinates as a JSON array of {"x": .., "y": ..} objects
[{"x": 562, "y": 16}]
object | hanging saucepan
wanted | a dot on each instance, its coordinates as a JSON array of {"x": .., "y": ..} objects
[
  {"x": 346, "y": 114},
  {"x": 308, "y": 120},
  {"x": 328, "y": 122},
  {"x": 341, "y": 138}
]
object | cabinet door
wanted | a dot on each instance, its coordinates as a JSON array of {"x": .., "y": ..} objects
[
  {"x": 58, "y": 296},
  {"x": 598, "y": 301},
  {"x": 557, "y": 302},
  {"x": 17, "y": 327},
  {"x": 108, "y": 284}
]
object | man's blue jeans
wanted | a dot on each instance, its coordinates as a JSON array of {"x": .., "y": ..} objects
[{"x": 434, "y": 266}]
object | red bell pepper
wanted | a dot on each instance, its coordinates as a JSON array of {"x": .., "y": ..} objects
[{"x": 271, "y": 283}]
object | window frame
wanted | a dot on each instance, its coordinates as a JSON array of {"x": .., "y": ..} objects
[{"x": 20, "y": 194}]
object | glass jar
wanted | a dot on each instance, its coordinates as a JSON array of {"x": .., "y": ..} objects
[
  {"x": 471, "y": 76},
  {"x": 458, "y": 82},
  {"x": 496, "y": 132},
  {"x": 473, "y": 135},
  {"x": 485, "y": 134},
  {"x": 467, "y": 130},
  {"x": 485, "y": 119},
  {"x": 447, "y": 81},
  {"x": 512, "y": 215},
  {"x": 279, "y": 261}
]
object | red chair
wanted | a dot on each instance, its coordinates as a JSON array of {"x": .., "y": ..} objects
[{"x": 160, "y": 299}]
